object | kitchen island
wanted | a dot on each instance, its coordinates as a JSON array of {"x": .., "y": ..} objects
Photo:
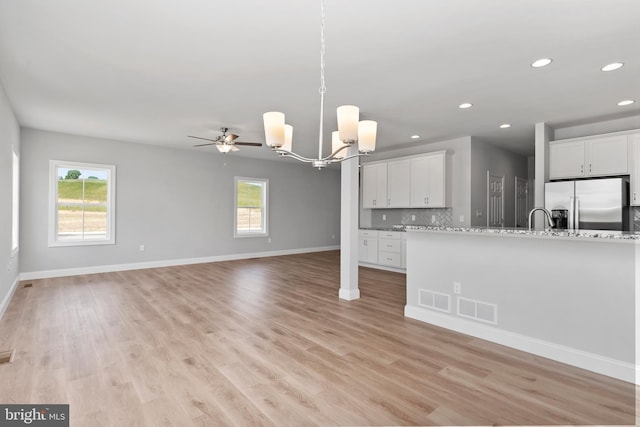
[{"x": 566, "y": 296}]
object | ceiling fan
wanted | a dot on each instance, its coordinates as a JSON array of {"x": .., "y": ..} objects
[{"x": 225, "y": 143}]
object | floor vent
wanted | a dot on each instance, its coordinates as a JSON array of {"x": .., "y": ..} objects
[
  {"x": 28, "y": 285},
  {"x": 434, "y": 300},
  {"x": 6, "y": 356},
  {"x": 478, "y": 310}
]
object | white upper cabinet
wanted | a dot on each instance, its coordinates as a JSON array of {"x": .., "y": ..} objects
[
  {"x": 604, "y": 156},
  {"x": 428, "y": 181},
  {"x": 413, "y": 181},
  {"x": 566, "y": 160},
  {"x": 374, "y": 186},
  {"x": 398, "y": 184},
  {"x": 607, "y": 156}
]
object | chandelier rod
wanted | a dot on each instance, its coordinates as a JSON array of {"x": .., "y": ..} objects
[{"x": 323, "y": 86}]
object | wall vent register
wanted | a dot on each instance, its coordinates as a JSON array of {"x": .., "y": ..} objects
[
  {"x": 477, "y": 310},
  {"x": 434, "y": 300}
]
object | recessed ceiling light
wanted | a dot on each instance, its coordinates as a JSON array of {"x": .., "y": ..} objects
[
  {"x": 612, "y": 66},
  {"x": 505, "y": 126},
  {"x": 415, "y": 136},
  {"x": 465, "y": 105},
  {"x": 626, "y": 102},
  {"x": 541, "y": 62}
]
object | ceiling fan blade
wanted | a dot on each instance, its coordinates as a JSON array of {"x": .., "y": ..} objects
[
  {"x": 208, "y": 143},
  {"x": 234, "y": 148},
  {"x": 250, "y": 144},
  {"x": 206, "y": 139},
  {"x": 231, "y": 137}
]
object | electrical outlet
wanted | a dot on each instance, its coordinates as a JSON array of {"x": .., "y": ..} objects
[
  {"x": 141, "y": 248},
  {"x": 333, "y": 236},
  {"x": 433, "y": 218},
  {"x": 461, "y": 218},
  {"x": 413, "y": 217},
  {"x": 384, "y": 217},
  {"x": 269, "y": 240},
  {"x": 457, "y": 287},
  {"x": 478, "y": 213}
]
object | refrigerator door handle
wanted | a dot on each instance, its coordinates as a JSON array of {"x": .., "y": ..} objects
[
  {"x": 577, "y": 214},
  {"x": 572, "y": 202}
]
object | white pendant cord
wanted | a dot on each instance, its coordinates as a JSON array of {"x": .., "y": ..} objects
[{"x": 323, "y": 87}]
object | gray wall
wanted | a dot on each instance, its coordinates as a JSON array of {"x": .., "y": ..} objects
[
  {"x": 178, "y": 203},
  {"x": 9, "y": 138},
  {"x": 486, "y": 157},
  {"x": 460, "y": 151}
]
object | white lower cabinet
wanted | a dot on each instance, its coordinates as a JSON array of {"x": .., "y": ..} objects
[
  {"x": 368, "y": 246},
  {"x": 389, "y": 247}
]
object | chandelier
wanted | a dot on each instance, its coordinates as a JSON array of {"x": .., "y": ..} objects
[{"x": 279, "y": 136}]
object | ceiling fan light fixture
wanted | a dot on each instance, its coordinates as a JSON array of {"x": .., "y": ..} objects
[{"x": 223, "y": 148}]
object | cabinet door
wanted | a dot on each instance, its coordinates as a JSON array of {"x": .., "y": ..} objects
[
  {"x": 419, "y": 186},
  {"x": 566, "y": 160},
  {"x": 398, "y": 186},
  {"x": 435, "y": 198},
  {"x": 381, "y": 186},
  {"x": 634, "y": 169},
  {"x": 607, "y": 156},
  {"x": 369, "y": 186}
]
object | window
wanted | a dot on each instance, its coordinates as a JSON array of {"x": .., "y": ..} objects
[
  {"x": 251, "y": 207},
  {"x": 82, "y": 204},
  {"x": 15, "y": 202}
]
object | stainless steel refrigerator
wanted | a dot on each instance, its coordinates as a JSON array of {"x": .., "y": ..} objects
[{"x": 592, "y": 204}]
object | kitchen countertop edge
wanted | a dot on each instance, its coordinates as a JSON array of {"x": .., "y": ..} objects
[{"x": 584, "y": 236}]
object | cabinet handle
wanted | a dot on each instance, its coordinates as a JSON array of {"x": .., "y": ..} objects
[
  {"x": 374, "y": 203},
  {"x": 389, "y": 202},
  {"x": 589, "y": 167},
  {"x": 634, "y": 196},
  {"x": 581, "y": 168},
  {"x": 425, "y": 200}
]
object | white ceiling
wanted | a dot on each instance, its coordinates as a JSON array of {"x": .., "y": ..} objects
[{"x": 154, "y": 71}]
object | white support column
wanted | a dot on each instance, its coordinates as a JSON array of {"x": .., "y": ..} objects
[
  {"x": 349, "y": 193},
  {"x": 543, "y": 134}
]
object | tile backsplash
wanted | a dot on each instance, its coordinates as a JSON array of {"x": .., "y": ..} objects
[
  {"x": 438, "y": 217},
  {"x": 635, "y": 214}
]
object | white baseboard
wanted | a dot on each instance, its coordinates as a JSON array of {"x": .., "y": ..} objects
[
  {"x": 383, "y": 267},
  {"x": 46, "y": 274},
  {"x": 7, "y": 299},
  {"x": 349, "y": 294},
  {"x": 592, "y": 362}
]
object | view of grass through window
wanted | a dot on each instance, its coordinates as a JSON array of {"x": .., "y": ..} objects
[
  {"x": 250, "y": 208},
  {"x": 82, "y": 204}
]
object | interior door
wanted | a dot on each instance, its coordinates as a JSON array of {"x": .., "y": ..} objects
[
  {"x": 495, "y": 200},
  {"x": 522, "y": 208}
]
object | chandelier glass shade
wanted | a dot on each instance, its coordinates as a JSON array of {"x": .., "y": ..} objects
[{"x": 351, "y": 131}]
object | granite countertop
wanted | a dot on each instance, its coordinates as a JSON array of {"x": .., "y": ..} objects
[
  {"x": 581, "y": 234},
  {"x": 392, "y": 228}
]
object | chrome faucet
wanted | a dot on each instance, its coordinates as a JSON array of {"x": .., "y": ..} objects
[{"x": 546, "y": 213}]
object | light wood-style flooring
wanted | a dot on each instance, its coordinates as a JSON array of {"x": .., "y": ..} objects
[{"x": 267, "y": 342}]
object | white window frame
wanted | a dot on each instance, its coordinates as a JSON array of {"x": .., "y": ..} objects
[
  {"x": 53, "y": 201},
  {"x": 15, "y": 202},
  {"x": 264, "y": 232}
]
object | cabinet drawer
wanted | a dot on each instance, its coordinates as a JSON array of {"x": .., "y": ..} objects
[
  {"x": 389, "y": 245},
  {"x": 368, "y": 233},
  {"x": 390, "y": 259},
  {"x": 390, "y": 234}
]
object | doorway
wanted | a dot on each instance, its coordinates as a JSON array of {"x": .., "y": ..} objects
[
  {"x": 522, "y": 202},
  {"x": 495, "y": 200}
]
